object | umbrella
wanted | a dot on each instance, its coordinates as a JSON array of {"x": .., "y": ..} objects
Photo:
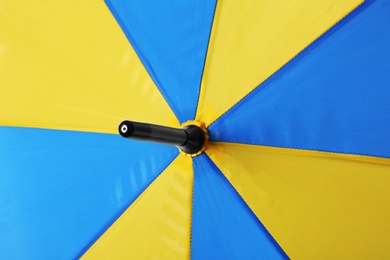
[{"x": 294, "y": 96}]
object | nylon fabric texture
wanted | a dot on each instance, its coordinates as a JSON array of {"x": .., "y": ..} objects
[
  {"x": 294, "y": 96},
  {"x": 156, "y": 42},
  {"x": 65, "y": 191},
  {"x": 252, "y": 41},
  {"x": 306, "y": 199},
  {"x": 342, "y": 103},
  {"x": 223, "y": 226},
  {"x": 72, "y": 74},
  {"x": 160, "y": 217}
]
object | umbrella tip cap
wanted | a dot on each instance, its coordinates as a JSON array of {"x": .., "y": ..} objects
[{"x": 126, "y": 128}]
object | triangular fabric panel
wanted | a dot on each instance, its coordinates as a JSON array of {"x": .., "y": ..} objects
[
  {"x": 223, "y": 226},
  {"x": 171, "y": 39},
  {"x": 59, "y": 190},
  {"x": 251, "y": 40},
  {"x": 158, "y": 223},
  {"x": 334, "y": 97},
  {"x": 67, "y": 65},
  {"x": 316, "y": 205}
]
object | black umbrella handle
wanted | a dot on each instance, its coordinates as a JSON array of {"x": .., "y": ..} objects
[{"x": 189, "y": 139}]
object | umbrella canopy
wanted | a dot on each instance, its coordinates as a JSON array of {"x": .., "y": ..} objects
[{"x": 294, "y": 96}]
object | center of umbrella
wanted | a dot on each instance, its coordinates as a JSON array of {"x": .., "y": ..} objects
[{"x": 191, "y": 139}]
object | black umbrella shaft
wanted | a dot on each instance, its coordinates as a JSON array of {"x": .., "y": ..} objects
[
  {"x": 190, "y": 139},
  {"x": 153, "y": 133}
]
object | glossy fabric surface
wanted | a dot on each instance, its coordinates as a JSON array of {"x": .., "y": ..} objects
[
  {"x": 223, "y": 227},
  {"x": 68, "y": 66},
  {"x": 316, "y": 205},
  {"x": 257, "y": 80},
  {"x": 250, "y": 41},
  {"x": 171, "y": 41},
  {"x": 334, "y": 97},
  {"x": 60, "y": 190},
  {"x": 158, "y": 223}
]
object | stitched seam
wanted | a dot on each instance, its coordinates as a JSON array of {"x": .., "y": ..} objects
[
  {"x": 192, "y": 204},
  {"x": 322, "y": 153},
  {"x": 205, "y": 58}
]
